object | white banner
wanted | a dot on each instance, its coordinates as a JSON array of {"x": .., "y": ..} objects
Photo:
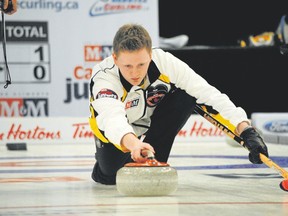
[
  {"x": 52, "y": 46},
  {"x": 68, "y": 130},
  {"x": 273, "y": 126}
]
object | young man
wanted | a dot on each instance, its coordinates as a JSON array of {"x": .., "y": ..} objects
[{"x": 144, "y": 93}]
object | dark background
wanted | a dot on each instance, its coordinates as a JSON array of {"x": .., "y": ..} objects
[
  {"x": 253, "y": 77},
  {"x": 210, "y": 22}
]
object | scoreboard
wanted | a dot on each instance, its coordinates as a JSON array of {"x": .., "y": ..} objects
[{"x": 28, "y": 53}]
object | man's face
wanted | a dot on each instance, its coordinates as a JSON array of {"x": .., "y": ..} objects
[{"x": 133, "y": 65}]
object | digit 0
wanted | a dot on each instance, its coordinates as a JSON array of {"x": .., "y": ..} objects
[{"x": 39, "y": 72}]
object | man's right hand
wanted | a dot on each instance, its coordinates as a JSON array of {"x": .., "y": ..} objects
[
  {"x": 9, "y": 7},
  {"x": 136, "y": 147}
]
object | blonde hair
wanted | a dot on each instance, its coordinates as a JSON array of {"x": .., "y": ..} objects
[{"x": 131, "y": 37}]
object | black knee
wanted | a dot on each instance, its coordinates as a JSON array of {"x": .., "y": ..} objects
[
  {"x": 109, "y": 160},
  {"x": 98, "y": 176}
]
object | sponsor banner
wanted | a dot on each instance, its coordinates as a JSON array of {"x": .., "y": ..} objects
[
  {"x": 69, "y": 130},
  {"x": 52, "y": 46},
  {"x": 21, "y": 107},
  {"x": 199, "y": 129},
  {"x": 62, "y": 130},
  {"x": 273, "y": 126}
]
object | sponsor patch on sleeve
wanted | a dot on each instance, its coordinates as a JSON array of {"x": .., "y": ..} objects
[{"x": 106, "y": 93}]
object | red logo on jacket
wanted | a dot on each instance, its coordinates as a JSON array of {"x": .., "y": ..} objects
[{"x": 106, "y": 93}]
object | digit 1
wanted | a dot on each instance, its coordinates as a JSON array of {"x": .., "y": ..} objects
[{"x": 40, "y": 50}]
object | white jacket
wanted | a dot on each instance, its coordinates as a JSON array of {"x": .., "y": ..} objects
[{"x": 120, "y": 108}]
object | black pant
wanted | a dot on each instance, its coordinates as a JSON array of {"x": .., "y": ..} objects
[{"x": 167, "y": 120}]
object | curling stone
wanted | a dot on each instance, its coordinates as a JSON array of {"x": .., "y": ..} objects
[{"x": 151, "y": 178}]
